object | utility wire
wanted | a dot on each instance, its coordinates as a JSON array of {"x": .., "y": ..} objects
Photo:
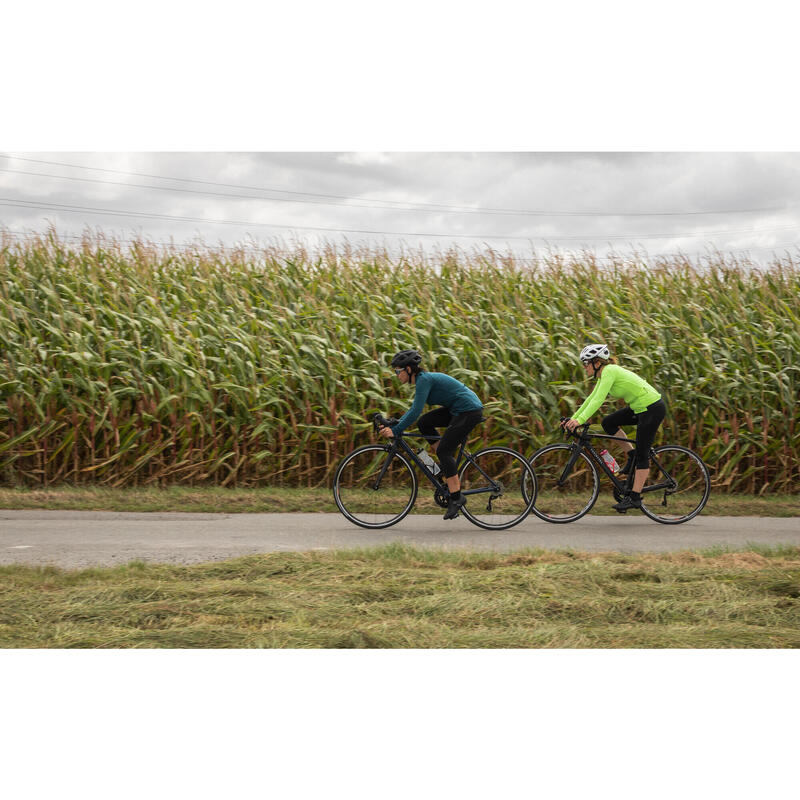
[
  {"x": 59, "y": 207},
  {"x": 207, "y": 193},
  {"x": 365, "y": 202}
]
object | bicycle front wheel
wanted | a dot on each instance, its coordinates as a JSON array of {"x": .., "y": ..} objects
[
  {"x": 567, "y": 482},
  {"x": 678, "y": 486},
  {"x": 374, "y": 487},
  {"x": 499, "y": 486}
]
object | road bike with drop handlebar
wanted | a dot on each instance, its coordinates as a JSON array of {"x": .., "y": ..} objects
[{"x": 376, "y": 485}]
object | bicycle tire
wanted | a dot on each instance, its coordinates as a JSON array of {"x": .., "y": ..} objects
[
  {"x": 686, "y": 504},
  {"x": 525, "y": 483},
  {"x": 362, "y": 498},
  {"x": 551, "y": 498}
]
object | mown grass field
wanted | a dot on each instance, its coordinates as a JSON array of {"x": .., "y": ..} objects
[
  {"x": 397, "y": 597},
  {"x": 138, "y": 366}
]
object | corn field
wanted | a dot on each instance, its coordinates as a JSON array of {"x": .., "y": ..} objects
[{"x": 140, "y": 364}]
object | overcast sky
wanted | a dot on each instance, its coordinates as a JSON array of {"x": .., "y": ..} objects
[{"x": 655, "y": 202}]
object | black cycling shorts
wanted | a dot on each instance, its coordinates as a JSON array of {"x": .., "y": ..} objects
[{"x": 647, "y": 423}]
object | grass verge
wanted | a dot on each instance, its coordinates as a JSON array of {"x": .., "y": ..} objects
[
  {"x": 272, "y": 499},
  {"x": 398, "y": 597}
]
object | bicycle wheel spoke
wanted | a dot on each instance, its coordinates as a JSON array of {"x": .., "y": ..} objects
[
  {"x": 372, "y": 493},
  {"x": 499, "y": 487},
  {"x": 679, "y": 485},
  {"x": 563, "y": 496}
]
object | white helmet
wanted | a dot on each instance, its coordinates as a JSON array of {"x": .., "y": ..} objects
[{"x": 592, "y": 351}]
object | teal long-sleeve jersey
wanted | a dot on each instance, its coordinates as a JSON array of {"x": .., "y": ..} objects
[{"x": 438, "y": 389}]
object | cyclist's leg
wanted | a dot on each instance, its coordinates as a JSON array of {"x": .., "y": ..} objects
[
  {"x": 429, "y": 422},
  {"x": 456, "y": 434},
  {"x": 612, "y": 425},
  {"x": 647, "y": 426}
]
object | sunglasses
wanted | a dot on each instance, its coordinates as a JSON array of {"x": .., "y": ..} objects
[{"x": 398, "y": 371}]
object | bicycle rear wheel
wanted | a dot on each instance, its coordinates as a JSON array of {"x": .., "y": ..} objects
[
  {"x": 678, "y": 486},
  {"x": 565, "y": 493},
  {"x": 371, "y": 492},
  {"x": 499, "y": 486}
]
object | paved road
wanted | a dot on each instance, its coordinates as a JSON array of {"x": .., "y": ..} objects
[{"x": 75, "y": 539}]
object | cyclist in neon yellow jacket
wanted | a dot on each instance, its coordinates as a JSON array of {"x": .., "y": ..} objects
[{"x": 644, "y": 408}]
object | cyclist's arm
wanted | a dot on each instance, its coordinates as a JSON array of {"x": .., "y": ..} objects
[
  {"x": 596, "y": 398},
  {"x": 420, "y": 397}
]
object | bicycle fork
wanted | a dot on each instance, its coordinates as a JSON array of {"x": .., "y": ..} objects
[
  {"x": 576, "y": 451},
  {"x": 384, "y": 468}
]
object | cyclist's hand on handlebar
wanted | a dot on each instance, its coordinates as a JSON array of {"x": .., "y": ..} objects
[
  {"x": 569, "y": 424},
  {"x": 381, "y": 425}
]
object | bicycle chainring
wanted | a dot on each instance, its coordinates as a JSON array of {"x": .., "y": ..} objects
[{"x": 440, "y": 498}]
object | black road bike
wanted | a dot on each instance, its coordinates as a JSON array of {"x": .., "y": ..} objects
[
  {"x": 376, "y": 485},
  {"x": 568, "y": 480}
]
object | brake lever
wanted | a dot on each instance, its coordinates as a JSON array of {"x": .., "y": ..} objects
[
  {"x": 568, "y": 432},
  {"x": 379, "y": 422}
]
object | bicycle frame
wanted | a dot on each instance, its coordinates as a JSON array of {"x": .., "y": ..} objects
[
  {"x": 399, "y": 444},
  {"x": 621, "y": 486}
]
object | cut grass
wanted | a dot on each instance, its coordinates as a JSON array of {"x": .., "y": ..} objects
[
  {"x": 280, "y": 500},
  {"x": 399, "y": 597}
]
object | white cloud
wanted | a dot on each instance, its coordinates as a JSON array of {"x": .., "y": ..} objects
[{"x": 364, "y": 159}]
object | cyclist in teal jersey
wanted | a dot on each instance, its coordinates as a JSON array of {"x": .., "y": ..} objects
[
  {"x": 645, "y": 409},
  {"x": 460, "y": 412}
]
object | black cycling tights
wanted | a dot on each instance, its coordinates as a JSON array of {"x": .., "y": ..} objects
[{"x": 458, "y": 428}]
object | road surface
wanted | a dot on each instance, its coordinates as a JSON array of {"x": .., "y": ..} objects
[{"x": 74, "y": 539}]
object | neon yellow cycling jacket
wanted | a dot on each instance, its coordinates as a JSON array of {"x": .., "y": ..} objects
[{"x": 618, "y": 382}]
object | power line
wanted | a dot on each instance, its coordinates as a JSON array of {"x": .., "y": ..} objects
[
  {"x": 365, "y": 202},
  {"x": 59, "y": 207},
  {"x": 216, "y": 194}
]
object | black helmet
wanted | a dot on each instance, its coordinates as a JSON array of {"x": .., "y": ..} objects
[{"x": 406, "y": 358}]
